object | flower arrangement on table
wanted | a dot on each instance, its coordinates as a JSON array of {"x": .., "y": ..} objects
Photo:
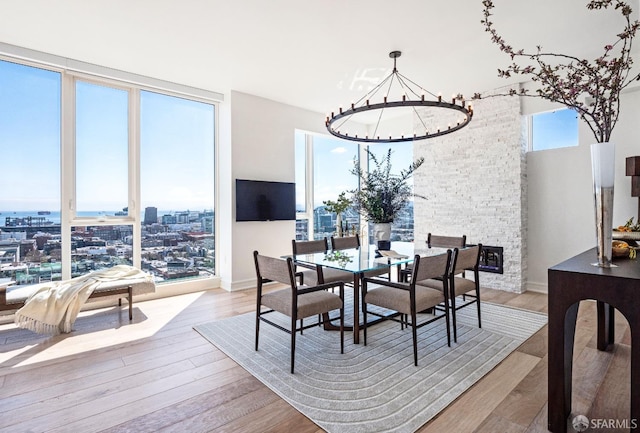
[
  {"x": 338, "y": 207},
  {"x": 591, "y": 88}
]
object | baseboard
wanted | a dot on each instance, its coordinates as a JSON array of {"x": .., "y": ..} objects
[{"x": 537, "y": 287}]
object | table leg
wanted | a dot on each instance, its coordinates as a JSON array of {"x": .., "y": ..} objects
[
  {"x": 606, "y": 325},
  {"x": 635, "y": 384},
  {"x": 562, "y": 329}
]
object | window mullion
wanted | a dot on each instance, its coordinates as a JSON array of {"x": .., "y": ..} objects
[
  {"x": 134, "y": 174},
  {"x": 67, "y": 171}
]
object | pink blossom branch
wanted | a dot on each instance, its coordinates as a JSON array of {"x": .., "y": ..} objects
[{"x": 569, "y": 83}]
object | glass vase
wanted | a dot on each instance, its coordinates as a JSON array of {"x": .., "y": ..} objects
[{"x": 603, "y": 170}]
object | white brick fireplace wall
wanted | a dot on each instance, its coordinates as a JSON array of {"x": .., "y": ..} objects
[{"x": 475, "y": 184}]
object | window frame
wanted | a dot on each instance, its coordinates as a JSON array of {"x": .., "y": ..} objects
[
  {"x": 530, "y": 134},
  {"x": 72, "y": 71}
]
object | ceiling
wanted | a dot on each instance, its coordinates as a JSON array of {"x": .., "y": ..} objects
[{"x": 308, "y": 53}]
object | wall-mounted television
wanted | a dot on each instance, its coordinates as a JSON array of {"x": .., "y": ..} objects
[{"x": 258, "y": 200}]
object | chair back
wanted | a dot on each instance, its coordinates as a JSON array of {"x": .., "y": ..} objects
[
  {"x": 310, "y": 247},
  {"x": 446, "y": 241},
  {"x": 428, "y": 267},
  {"x": 467, "y": 259},
  {"x": 345, "y": 242},
  {"x": 270, "y": 268}
]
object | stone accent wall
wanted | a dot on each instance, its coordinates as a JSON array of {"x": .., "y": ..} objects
[{"x": 475, "y": 184}]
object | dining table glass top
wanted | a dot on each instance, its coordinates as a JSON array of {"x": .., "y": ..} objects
[{"x": 368, "y": 257}]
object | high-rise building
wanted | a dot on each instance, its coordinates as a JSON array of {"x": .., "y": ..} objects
[{"x": 150, "y": 215}]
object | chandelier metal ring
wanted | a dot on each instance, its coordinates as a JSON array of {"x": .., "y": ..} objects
[{"x": 336, "y": 121}]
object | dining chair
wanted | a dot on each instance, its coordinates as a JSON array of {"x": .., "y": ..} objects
[
  {"x": 437, "y": 241},
  {"x": 353, "y": 242},
  {"x": 409, "y": 298},
  {"x": 295, "y": 302},
  {"x": 316, "y": 274},
  {"x": 458, "y": 284}
]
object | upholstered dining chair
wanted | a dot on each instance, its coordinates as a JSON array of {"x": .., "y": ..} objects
[
  {"x": 409, "y": 298},
  {"x": 295, "y": 302},
  {"x": 314, "y": 275},
  {"x": 345, "y": 242},
  {"x": 437, "y": 241},
  {"x": 466, "y": 259},
  {"x": 353, "y": 242}
]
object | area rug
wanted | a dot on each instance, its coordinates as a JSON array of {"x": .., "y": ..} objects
[{"x": 375, "y": 388}]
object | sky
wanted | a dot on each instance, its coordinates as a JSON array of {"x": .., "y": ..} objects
[
  {"x": 554, "y": 129},
  {"x": 177, "y": 152},
  {"x": 333, "y": 161},
  {"x": 177, "y": 155}
]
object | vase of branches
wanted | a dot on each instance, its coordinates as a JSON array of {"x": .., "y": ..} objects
[{"x": 590, "y": 87}]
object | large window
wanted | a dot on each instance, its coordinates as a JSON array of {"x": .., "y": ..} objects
[
  {"x": 323, "y": 171},
  {"x": 137, "y": 184},
  {"x": 30, "y": 115},
  {"x": 102, "y": 149},
  {"x": 554, "y": 129},
  {"x": 177, "y": 184},
  {"x": 323, "y": 167}
]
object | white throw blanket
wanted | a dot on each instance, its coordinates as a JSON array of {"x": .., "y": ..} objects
[{"x": 54, "y": 306}]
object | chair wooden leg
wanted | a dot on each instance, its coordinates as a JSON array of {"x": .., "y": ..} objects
[
  {"x": 342, "y": 329},
  {"x": 293, "y": 342},
  {"x": 257, "y": 326},
  {"x": 453, "y": 318},
  {"x": 478, "y": 303},
  {"x": 364, "y": 318},
  {"x": 414, "y": 334},
  {"x": 446, "y": 319}
]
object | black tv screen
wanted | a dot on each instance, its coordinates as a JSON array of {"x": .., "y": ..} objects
[{"x": 265, "y": 201}]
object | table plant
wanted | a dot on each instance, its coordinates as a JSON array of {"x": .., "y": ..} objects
[{"x": 382, "y": 194}]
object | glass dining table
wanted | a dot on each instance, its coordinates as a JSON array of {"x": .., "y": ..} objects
[{"x": 366, "y": 260}]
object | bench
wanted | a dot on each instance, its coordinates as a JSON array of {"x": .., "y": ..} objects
[{"x": 14, "y": 297}]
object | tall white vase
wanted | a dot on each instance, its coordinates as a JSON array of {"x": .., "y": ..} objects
[
  {"x": 382, "y": 235},
  {"x": 603, "y": 170}
]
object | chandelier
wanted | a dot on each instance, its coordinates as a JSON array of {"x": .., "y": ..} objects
[{"x": 414, "y": 98}]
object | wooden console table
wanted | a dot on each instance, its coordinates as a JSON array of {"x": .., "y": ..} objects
[{"x": 615, "y": 288}]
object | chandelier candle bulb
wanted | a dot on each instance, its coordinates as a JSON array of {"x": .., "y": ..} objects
[{"x": 409, "y": 95}]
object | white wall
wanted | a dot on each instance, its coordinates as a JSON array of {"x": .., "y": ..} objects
[
  {"x": 560, "y": 206},
  {"x": 262, "y": 148}
]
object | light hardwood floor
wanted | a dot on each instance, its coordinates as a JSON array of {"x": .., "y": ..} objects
[{"x": 157, "y": 374}]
